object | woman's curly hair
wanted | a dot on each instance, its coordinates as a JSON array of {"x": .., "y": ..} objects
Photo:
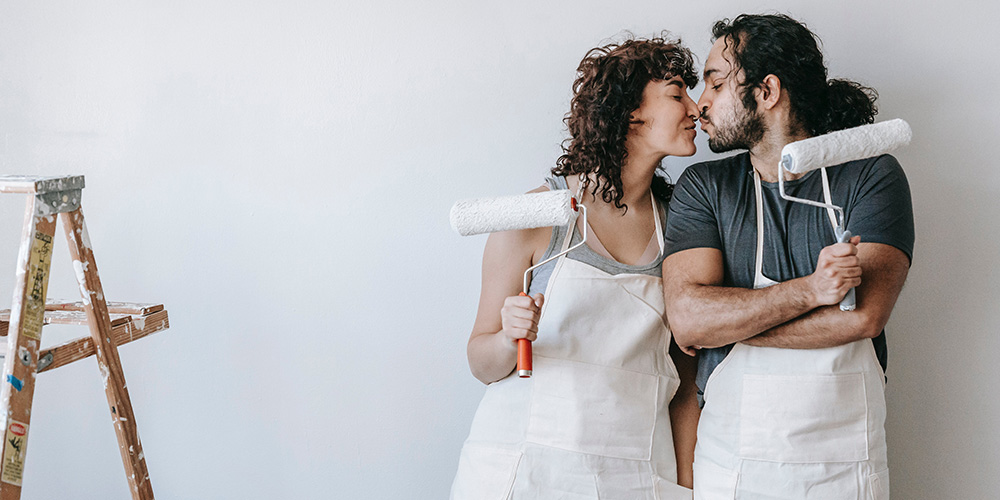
[{"x": 608, "y": 88}]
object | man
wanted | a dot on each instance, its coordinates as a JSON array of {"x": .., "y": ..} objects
[{"x": 793, "y": 386}]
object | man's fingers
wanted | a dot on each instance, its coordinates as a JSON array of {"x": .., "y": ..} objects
[{"x": 843, "y": 249}]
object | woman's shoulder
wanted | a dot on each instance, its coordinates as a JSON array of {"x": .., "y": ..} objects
[{"x": 522, "y": 240}]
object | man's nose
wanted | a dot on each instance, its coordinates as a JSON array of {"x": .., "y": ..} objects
[
  {"x": 703, "y": 104},
  {"x": 703, "y": 113}
]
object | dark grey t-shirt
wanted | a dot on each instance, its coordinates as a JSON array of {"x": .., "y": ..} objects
[{"x": 714, "y": 205}]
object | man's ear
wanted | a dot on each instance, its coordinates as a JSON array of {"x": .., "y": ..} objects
[{"x": 768, "y": 92}]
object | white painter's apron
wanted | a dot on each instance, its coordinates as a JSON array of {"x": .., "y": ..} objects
[
  {"x": 793, "y": 424},
  {"x": 592, "y": 421}
]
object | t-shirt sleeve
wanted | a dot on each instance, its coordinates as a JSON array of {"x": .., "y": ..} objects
[
  {"x": 883, "y": 210},
  {"x": 691, "y": 219}
]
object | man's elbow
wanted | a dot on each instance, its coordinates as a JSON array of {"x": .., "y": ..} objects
[
  {"x": 684, "y": 328},
  {"x": 870, "y": 325}
]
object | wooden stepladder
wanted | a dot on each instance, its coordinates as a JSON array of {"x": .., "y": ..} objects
[{"x": 50, "y": 197}]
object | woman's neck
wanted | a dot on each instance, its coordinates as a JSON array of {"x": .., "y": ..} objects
[{"x": 636, "y": 179}]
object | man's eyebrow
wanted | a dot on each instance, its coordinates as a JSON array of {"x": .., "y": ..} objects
[{"x": 710, "y": 72}]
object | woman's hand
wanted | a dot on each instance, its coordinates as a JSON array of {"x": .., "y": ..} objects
[{"x": 519, "y": 318}]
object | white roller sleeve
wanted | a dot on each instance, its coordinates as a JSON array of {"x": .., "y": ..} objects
[
  {"x": 846, "y": 145},
  {"x": 524, "y": 211}
]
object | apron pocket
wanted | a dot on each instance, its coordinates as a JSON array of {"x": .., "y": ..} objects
[
  {"x": 593, "y": 409},
  {"x": 712, "y": 482},
  {"x": 666, "y": 490},
  {"x": 804, "y": 418},
  {"x": 878, "y": 485},
  {"x": 484, "y": 473}
]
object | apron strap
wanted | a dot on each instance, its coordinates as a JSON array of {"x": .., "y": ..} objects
[
  {"x": 759, "y": 256},
  {"x": 827, "y": 198},
  {"x": 656, "y": 220}
]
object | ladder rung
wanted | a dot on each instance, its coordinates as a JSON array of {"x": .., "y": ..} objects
[
  {"x": 113, "y": 307},
  {"x": 125, "y": 330},
  {"x": 75, "y": 350},
  {"x": 63, "y": 318}
]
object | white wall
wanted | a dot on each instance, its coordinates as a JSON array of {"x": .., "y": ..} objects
[{"x": 279, "y": 175}]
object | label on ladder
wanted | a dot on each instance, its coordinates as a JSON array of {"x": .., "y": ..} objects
[
  {"x": 15, "y": 442},
  {"x": 38, "y": 269}
]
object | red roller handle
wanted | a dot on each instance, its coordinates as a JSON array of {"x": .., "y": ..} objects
[{"x": 523, "y": 355}]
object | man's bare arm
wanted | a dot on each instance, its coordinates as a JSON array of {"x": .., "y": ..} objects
[
  {"x": 702, "y": 313},
  {"x": 884, "y": 268}
]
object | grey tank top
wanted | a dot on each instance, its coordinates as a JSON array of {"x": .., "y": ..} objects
[{"x": 540, "y": 277}]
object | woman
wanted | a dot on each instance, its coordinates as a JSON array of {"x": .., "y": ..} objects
[{"x": 593, "y": 421}]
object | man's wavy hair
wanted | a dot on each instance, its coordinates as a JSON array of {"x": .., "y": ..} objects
[
  {"x": 779, "y": 45},
  {"x": 608, "y": 88}
]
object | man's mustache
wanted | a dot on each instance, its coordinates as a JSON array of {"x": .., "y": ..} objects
[{"x": 703, "y": 117}]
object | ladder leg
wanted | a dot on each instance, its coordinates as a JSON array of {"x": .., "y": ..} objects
[
  {"x": 107, "y": 355},
  {"x": 24, "y": 339}
]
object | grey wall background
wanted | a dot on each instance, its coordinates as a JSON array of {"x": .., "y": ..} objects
[{"x": 280, "y": 173}]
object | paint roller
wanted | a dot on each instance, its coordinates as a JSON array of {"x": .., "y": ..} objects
[
  {"x": 836, "y": 148},
  {"x": 525, "y": 211}
]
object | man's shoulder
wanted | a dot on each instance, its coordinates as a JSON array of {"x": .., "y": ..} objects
[{"x": 875, "y": 169}]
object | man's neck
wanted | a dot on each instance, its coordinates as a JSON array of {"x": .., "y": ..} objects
[{"x": 766, "y": 154}]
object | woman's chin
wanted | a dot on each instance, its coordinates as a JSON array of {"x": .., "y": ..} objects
[{"x": 687, "y": 150}]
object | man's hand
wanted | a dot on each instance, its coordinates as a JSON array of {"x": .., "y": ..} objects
[{"x": 837, "y": 271}]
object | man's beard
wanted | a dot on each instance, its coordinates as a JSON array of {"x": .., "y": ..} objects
[{"x": 740, "y": 129}]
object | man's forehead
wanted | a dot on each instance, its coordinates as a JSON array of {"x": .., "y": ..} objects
[{"x": 717, "y": 62}]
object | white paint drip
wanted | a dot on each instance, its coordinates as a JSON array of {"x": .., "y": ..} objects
[
  {"x": 84, "y": 237},
  {"x": 80, "y": 268},
  {"x": 42, "y": 209}
]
